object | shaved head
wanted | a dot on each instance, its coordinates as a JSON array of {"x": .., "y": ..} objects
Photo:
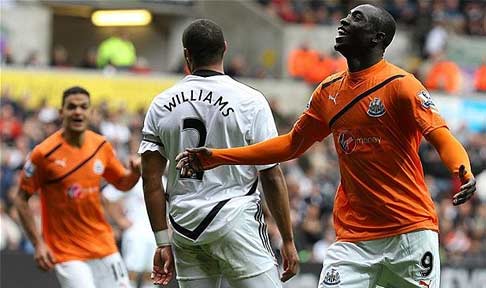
[{"x": 382, "y": 21}]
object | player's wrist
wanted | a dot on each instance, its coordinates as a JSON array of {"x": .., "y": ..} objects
[{"x": 162, "y": 238}]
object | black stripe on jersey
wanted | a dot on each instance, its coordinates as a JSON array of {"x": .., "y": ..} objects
[
  {"x": 154, "y": 142},
  {"x": 207, "y": 220},
  {"x": 77, "y": 167},
  {"x": 53, "y": 150},
  {"x": 361, "y": 96},
  {"x": 324, "y": 85}
]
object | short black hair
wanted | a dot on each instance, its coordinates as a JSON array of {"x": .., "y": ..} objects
[
  {"x": 205, "y": 41},
  {"x": 71, "y": 91},
  {"x": 384, "y": 22}
]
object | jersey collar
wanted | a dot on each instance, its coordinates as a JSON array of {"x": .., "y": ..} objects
[{"x": 206, "y": 73}]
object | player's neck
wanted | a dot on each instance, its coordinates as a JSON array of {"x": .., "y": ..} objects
[
  {"x": 361, "y": 62},
  {"x": 215, "y": 67},
  {"x": 75, "y": 139}
]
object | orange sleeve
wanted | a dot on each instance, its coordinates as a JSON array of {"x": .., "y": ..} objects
[
  {"x": 278, "y": 149},
  {"x": 114, "y": 168},
  {"x": 419, "y": 105},
  {"x": 30, "y": 178},
  {"x": 315, "y": 108},
  {"x": 450, "y": 150}
]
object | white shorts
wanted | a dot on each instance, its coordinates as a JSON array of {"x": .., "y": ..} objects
[
  {"x": 138, "y": 248},
  {"x": 106, "y": 272},
  {"x": 243, "y": 252},
  {"x": 406, "y": 260}
]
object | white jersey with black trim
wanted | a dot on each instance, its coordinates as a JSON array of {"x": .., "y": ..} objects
[{"x": 213, "y": 110}]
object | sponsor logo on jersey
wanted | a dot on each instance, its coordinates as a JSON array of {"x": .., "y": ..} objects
[
  {"x": 376, "y": 108},
  {"x": 98, "y": 167},
  {"x": 347, "y": 142},
  {"x": 29, "y": 168},
  {"x": 76, "y": 191},
  {"x": 427, "y": 102},
  {"x": 332, "y": 278}
]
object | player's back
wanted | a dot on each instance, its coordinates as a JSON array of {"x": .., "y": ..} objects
[{"x": 213, "y": 111}]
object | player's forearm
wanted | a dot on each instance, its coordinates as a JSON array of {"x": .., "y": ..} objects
[
  {"x": 450, "y": 150},
  {"x": 155, "y": 203},
  {"x": 128, "y": 181},
  {"x": 27, "y": 218},
  {"x": 153, "y": 167},
  {"x": 277, "y": 199},
  {"x": 278, "y": 149}
]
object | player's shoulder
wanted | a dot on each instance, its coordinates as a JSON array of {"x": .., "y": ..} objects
[
  {"x": 46, "y": 147},
  {"x": 332, "y": 80},
  {"x": 94, "y": 137},
  {"x": 395, "y": 72}
]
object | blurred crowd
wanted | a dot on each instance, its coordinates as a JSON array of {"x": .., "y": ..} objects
[
  {"x": 463, "y": 16},
  {"x": 311, "y": 179}
]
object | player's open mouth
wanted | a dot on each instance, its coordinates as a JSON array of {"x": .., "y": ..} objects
[{"x": 341, "y": 31}]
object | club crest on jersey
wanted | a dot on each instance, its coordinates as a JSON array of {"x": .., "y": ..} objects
[
  {"x": 29, "y": 169},
  {"x": 332, "y": 278},
  {"x": 347, "y": 142},
  {"x": 98, "y": 167},
  {"x": 376, "y": 108},
  {"x": 426, "y": 100}
]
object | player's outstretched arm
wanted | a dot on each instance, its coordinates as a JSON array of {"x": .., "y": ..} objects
[
  {"x": 43, "y": 256},
  {"x": 130, "y": 177},
  {"x": 279, "y": 149},
  {"x": 277, "y": 199},
  {"x": 456, "y": 159},
  {"x": 153, "y": 167}
]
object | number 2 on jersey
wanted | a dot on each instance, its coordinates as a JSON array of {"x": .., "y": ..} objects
[{"x": 198, "y": 125}]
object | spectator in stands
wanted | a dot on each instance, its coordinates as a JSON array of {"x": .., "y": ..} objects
[
  {"x": 33, "y": 59},
  {"x": 10, "y": 125},
  {"x": 117, "y": 51},
  {"x": 300, "y": 60},
  {"x": 475, "y": 18},
  {"x": 59, "y": 57},
  {"x": 236, "y": 67},
  {"x": 480, "y": 77},
  {"x": 444, "y": 75},
  {"x": 89, "y": 59},
  {"x": 436, "y": 40}
]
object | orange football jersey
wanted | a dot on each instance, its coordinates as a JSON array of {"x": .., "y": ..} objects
[
  {"x": 68, "y": 179},
  {"x": 377, "y": 117}
]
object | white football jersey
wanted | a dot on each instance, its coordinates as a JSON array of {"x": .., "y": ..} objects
[{"x": 213, "y": 110}]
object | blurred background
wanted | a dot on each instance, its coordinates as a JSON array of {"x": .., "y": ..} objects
[{"x": 281, "y": 47}]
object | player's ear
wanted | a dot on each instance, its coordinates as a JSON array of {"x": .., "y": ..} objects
[
  {"x": 225, "y": 46},
  {"x": 379, "y": 38}
]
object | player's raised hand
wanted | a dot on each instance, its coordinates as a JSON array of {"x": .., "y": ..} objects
[
  {"x": 467, "y": 189},
  {"x": 135, "y": 164},
  {"x": 290, "y": 261},
  {"x": 163, "y": 270},
  {"x": 189, "y": 161},
  {"x": 43, "y": 257}
]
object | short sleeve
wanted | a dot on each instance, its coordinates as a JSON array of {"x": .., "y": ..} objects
[
  {"x": 150, "y": 137},
  {"x": 114, "y": 168},
  {"x": 30, "y": 177},
  {"x": 263, "y": 128},
  {"x": 420, "y": 105}
]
